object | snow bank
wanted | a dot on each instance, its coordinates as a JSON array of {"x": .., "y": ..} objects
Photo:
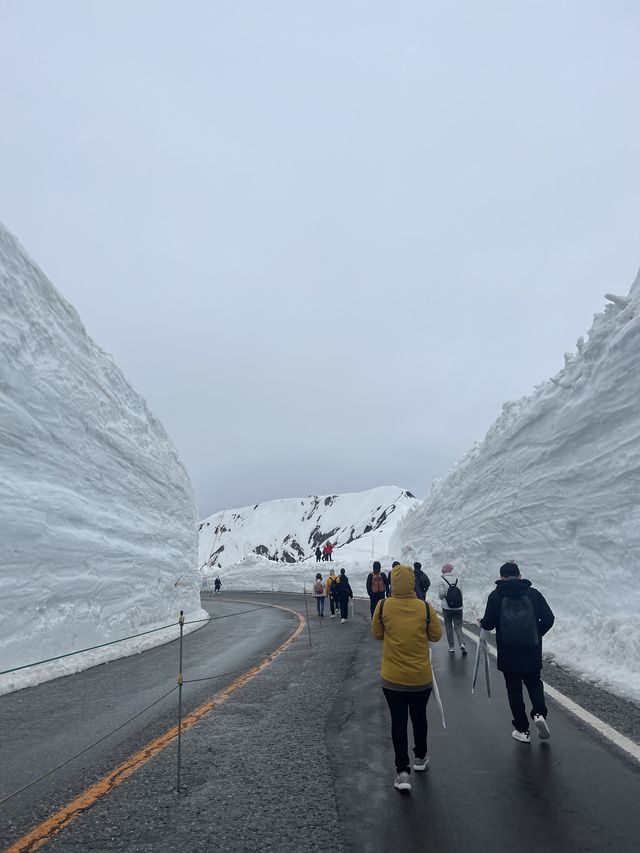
[
  {"x": 98, "y": 520},
  {"x": 555, "y": 485}
]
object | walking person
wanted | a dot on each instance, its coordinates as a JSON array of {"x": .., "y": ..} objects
[
  {"x": 377, "y": 586},
  {"x": 319, "y": 593},
  {"x": 521, "y": 617},
  {"x": 217, "y": 585},
  {"x": 318, "y": 554},
  {"x": 406, "y": 625},
  {"x": 450, "y": 594},
  {"x": 421, "y": 583},
  {"x": 344, "y": 593},
  {"x": 331, "y": 592}
]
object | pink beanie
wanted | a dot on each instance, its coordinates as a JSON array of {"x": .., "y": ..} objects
[{"x": 447, "y": 568}]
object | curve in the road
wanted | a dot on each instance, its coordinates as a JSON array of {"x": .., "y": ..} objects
[{"x": 41, "y": 834}]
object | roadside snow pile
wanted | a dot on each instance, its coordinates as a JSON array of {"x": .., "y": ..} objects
[
  {"x": 555, "y": 485},
  {"x": 97, "y": 512},
  {"x": 290, "y": 530}
]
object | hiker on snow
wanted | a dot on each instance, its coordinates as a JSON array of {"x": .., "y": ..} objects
[
  {"x": 521, "y": 617},
  {"x": 405, "y": 624},
  {"x": 318, "y": 554},
  {"x": 319, "y": 593},
  {"x": 377, "y": 586},
  {"x": 421, "y": 583},
  {"x": 450, "y": 593},
  {"x": 331, "y": 592},
  {"x": 217, "y": 584},
  {"x": 343, "y": 594}
]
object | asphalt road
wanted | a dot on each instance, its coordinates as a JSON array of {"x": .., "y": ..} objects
[
  {"x": 300, "y": 758},
  {"x": 42, "y": 726}
]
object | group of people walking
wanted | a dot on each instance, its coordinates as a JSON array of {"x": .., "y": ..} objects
[
  {"x": 337, "y": 589},
  {"x": 406, "y": 624}
]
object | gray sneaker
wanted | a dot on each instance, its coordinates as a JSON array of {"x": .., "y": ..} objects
[
  {"x": 541, "y": 725},
  {"x": 420, "y": 763},
  {"x": 402, "y": 782}
]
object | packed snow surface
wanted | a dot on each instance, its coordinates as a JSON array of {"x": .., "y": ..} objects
[
  {"x": 264, "y": 546},
  {"x": 97, "y": 513},
  {"x": 555, "y": 485}
]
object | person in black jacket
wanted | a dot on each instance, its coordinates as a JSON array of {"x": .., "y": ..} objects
[
  {"x": 377, "y": 586},
  {"x": 521, "y": 617},
  {"x": 344, "y": 593}
]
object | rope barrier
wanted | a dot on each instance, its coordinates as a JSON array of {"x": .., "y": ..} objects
[
  {"x": 88, "y": 649},
  {"x": 86, "y": 749}
]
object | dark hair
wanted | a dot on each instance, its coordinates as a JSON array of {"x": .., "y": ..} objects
[
  {"x": 342, "y": 571},
  {"x": 417, "y": 566},
  {"x": 318, "y": 576},
  {"x": 394, "y": 564},
  {"x": 509, "y": 570},
  {"x": 376, "y": 566}
]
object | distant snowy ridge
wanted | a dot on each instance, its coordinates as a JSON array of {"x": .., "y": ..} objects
[
  {"x": 289, "y": 530},
  {"x": 555, "y": 485},
  {"x": 97, "y": 513}
]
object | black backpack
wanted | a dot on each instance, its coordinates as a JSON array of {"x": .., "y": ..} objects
[
  {"x": 518, "y": 623},
  {"x": 454, "y": 595}
]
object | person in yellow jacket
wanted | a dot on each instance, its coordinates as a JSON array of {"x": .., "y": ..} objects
[
  {"x": 332, "y": 599},
  {"x": 406, "y": 625}
]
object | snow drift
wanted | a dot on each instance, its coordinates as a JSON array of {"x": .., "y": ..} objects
[
  {"x": 98, "y": 520},
  {"x": 555, "y": 485}
]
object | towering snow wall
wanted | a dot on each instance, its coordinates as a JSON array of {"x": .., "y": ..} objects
[
  {"x": 555, "y": 485},
  {"x": 98, "y": 527}
]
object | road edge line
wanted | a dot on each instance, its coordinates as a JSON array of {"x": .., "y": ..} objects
[
  {"x": 59, "y": 820},
  {"x": 624, "y": 743}
]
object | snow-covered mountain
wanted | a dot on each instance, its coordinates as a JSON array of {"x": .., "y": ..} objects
[
  {"x": 288, "y": 531},
  {"x": 555, "y": 485},
  {"x": 97, "y": 514}
]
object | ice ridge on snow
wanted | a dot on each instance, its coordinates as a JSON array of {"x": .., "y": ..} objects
[{"x": 97, "y": 513}]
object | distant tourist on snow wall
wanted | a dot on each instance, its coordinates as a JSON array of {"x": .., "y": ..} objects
[
  {"x": 377, "y": 586},
  {"x": 217, "y": 585},
  {"x": 521, "y": 617},
  {"x": 332, "y": 592},
  {"x": 450, "y": 593},
  {"x": 406, "y": 625},
  {"x": 318, "y": 594},
  {"x": 318, "y": 554},
  {"x": 327, "y": 551}
]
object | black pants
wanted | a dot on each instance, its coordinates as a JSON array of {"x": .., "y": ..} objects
[
  {"x": 332, "y": 605},
  {"x": 344, "y": 606},
  {"x": 375, "y": 597},
  {"x": 403, "y": 704},
  {"x": 535, "y": 689}
]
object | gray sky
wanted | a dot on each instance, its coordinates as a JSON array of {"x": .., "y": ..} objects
[{"x": 326, "y": 241}]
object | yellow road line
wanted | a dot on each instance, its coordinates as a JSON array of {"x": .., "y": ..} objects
[{"x": 54, "y": 824}]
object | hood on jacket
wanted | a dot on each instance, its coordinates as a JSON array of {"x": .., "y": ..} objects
[
  {"x": 403, "y": 582},
  {"x": 513, "y": 588}
]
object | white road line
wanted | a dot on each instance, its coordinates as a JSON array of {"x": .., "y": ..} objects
[{"x": 631, "y": 748}]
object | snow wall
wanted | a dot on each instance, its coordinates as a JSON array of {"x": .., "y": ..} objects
[
  {"x": 97, "y": 514},
  {"x": 555, "y": 485}
]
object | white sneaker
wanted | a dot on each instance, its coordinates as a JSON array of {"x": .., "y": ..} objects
[
  {"x": 402, "y": 782},
  {"x": 463, "y": 648},
  {"x": 420, "y": 763},
  {"x": 523, "y": 737},
  {"x": 543, "y": 728},
  {"x": 333, "y": 615},
  {"x": 342, "y": 620},
  {"x": 452, "y": 651}
]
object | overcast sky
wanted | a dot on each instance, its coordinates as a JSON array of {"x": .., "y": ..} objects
[{"x": 325, "y": 240}]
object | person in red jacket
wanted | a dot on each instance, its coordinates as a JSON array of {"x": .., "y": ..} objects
[{"x": 329, "y": 550}]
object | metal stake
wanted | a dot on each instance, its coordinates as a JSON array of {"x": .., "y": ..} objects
[
  {"x": 307, "y": 610},
  {"x": 181, "y": 622}
]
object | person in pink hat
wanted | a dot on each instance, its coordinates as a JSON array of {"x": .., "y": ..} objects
[{"x": 450, "y": 593}]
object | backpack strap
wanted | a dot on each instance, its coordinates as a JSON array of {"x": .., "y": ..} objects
[{"x": 446, "y": 581}]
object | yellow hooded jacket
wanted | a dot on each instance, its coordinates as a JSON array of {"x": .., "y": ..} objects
[{"x": 404, "y": 634}]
